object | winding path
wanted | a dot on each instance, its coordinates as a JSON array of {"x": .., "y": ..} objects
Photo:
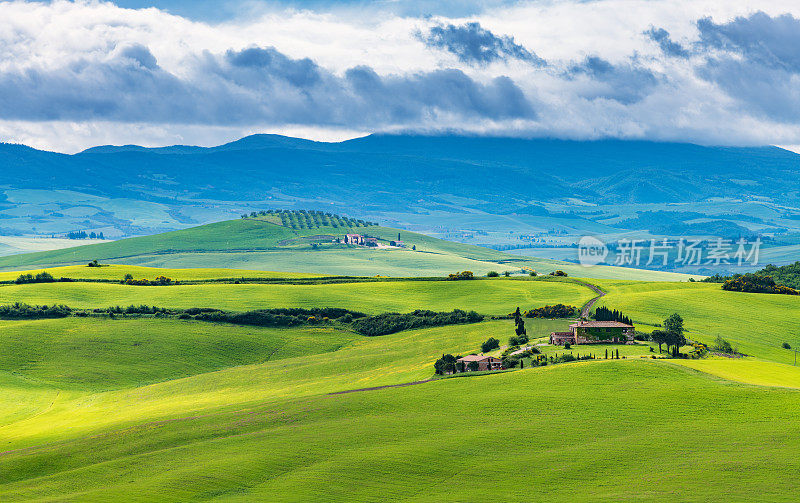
[{"x": 586, "y": 309}]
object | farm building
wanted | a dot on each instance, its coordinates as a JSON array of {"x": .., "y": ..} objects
[
  {"x": 484, "y": 362},
  {"x": 594, "y": 332},
  {"x": 370, "y": 242},
  {"x": 354, "y": 239}
]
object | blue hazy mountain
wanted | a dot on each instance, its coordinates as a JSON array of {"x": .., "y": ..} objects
[
  {"x": 157, "y": 189},
  {"x": 385, "y": 170}
]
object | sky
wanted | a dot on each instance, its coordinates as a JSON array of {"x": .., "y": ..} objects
[{"x": 75, "y": 74}]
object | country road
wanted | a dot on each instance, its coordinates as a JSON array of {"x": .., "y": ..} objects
[{"x": 586, "y": 309}]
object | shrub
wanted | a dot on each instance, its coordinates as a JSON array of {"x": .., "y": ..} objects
[
  {"x": 786, "y": 345},
  {"x": 19, "y": 311},
  {"x": 556, "y": 311},
  {"x": 558, "y": 273},
  {"x": 753, "y": 283},
  {"x": 490, "y": 344},
  {"x": 42, "y": 277},
  {"x": 507, "y": 273},
  {"x": 533, "y": 273},
  {"x": 447, "y": 363},
  {"x": 389, "y": 323},
  {"x": 461, "y": 275},
  {"x": 566, "y": 345},
  {"x": 722, "y": 345},
  {"x": 518, "y": 340},
  {"x": 492, "y": 274}
]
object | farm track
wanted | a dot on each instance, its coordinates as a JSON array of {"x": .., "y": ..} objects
[{"x": 586, "y": 309}]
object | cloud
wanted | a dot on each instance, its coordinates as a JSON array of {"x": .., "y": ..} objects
[
  {"x": 251, "y": 85},
  {"x": 625, "y": 83},
  {"x": 756, "y": 60},
  {"x": 471, "y": 43},
  {"x": 667, "y": 45},
  {"x": 83, "y": 72}
]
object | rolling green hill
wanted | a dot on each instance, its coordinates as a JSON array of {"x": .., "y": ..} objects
[
  {"x": 264, "y": 244},
  {"x": 150, "y": 409}
]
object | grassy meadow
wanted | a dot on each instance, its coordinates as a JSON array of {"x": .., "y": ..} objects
[
  {"x": 259, "y": 244},
  {"x": 150, "y": 408},
  {"x": 488, "y": 296}
]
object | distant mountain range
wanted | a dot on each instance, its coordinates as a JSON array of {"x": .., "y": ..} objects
[
  {"x": 383, "y": 170},
  {"x": 133, "y": 190}
]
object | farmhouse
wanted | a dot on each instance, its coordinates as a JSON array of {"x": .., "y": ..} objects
[
  {"x": 370, "y": 242},
  {"x": 354, "y": 239},
  {"x": 594, "y": 332},
  {"x": 484, "y": 362}
]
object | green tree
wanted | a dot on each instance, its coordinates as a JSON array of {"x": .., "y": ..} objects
[
  {"x": 490, "y": 344},
  {"x": 659, "y": 337},
  {"x": 673, "y": 327}
]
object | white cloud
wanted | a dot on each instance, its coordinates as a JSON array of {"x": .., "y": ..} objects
[{"x": 81, "y": 73}]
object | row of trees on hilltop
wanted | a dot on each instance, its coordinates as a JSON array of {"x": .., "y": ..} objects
[{"x": 310, "y": 219}]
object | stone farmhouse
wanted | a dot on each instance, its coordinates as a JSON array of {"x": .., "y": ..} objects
[
  {"x": 484, "y": 362},
  {"x": 594, "y": 332}
]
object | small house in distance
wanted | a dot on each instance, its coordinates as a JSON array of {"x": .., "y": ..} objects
[
  {"x": 594, "y": 332},
  {"x": 483, "y": 362},
  {"x": 354, "y": 239}
]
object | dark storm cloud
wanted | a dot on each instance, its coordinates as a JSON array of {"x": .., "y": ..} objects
[{"x": 471, "y": 43}]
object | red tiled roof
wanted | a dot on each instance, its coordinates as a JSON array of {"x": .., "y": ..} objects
[
  {"x": 562, "y": 333},
  {"x": 606, "y": 324},
  {"x": 475, "y": 358}
]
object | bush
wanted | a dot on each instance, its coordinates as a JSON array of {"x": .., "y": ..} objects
[
  {"x": 722, "y": 345},
  {"x": 492, "y": 274},
  {"x": 753, "y": 283},
  {"x": 42, "y": 277},
  {"x": 490, "y": 344},
  {"x": 285, "y": 317},
  {"x": 566, "y": 345},
  {"x": 558, "y": 273},
  {"x": 786, "y": 345},
  {"x": 447, "y": 363},
  {"x": 507, "y": 274},
  {"x": 533, "y": 274},
  {"x": 461, "y": 275},
  {"x": 19, "y": 311},
  {"x": 159, "y": 281},
  {"x": 556, "y": 311},
  {"x": 389, "y": 323},
  {"x": 517, "y": 340}
]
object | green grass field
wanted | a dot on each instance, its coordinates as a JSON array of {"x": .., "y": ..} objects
[
  {"x": 161, "y": 409},
  {"x": 253, "y": 244},
  {"x": 487, "y": 296}
]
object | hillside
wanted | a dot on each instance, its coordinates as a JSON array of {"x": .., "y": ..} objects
[
  {"x": 139, "y": 407},
  {"x": 476, "y": 189},
  {"x": 262, "y": 243}
]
